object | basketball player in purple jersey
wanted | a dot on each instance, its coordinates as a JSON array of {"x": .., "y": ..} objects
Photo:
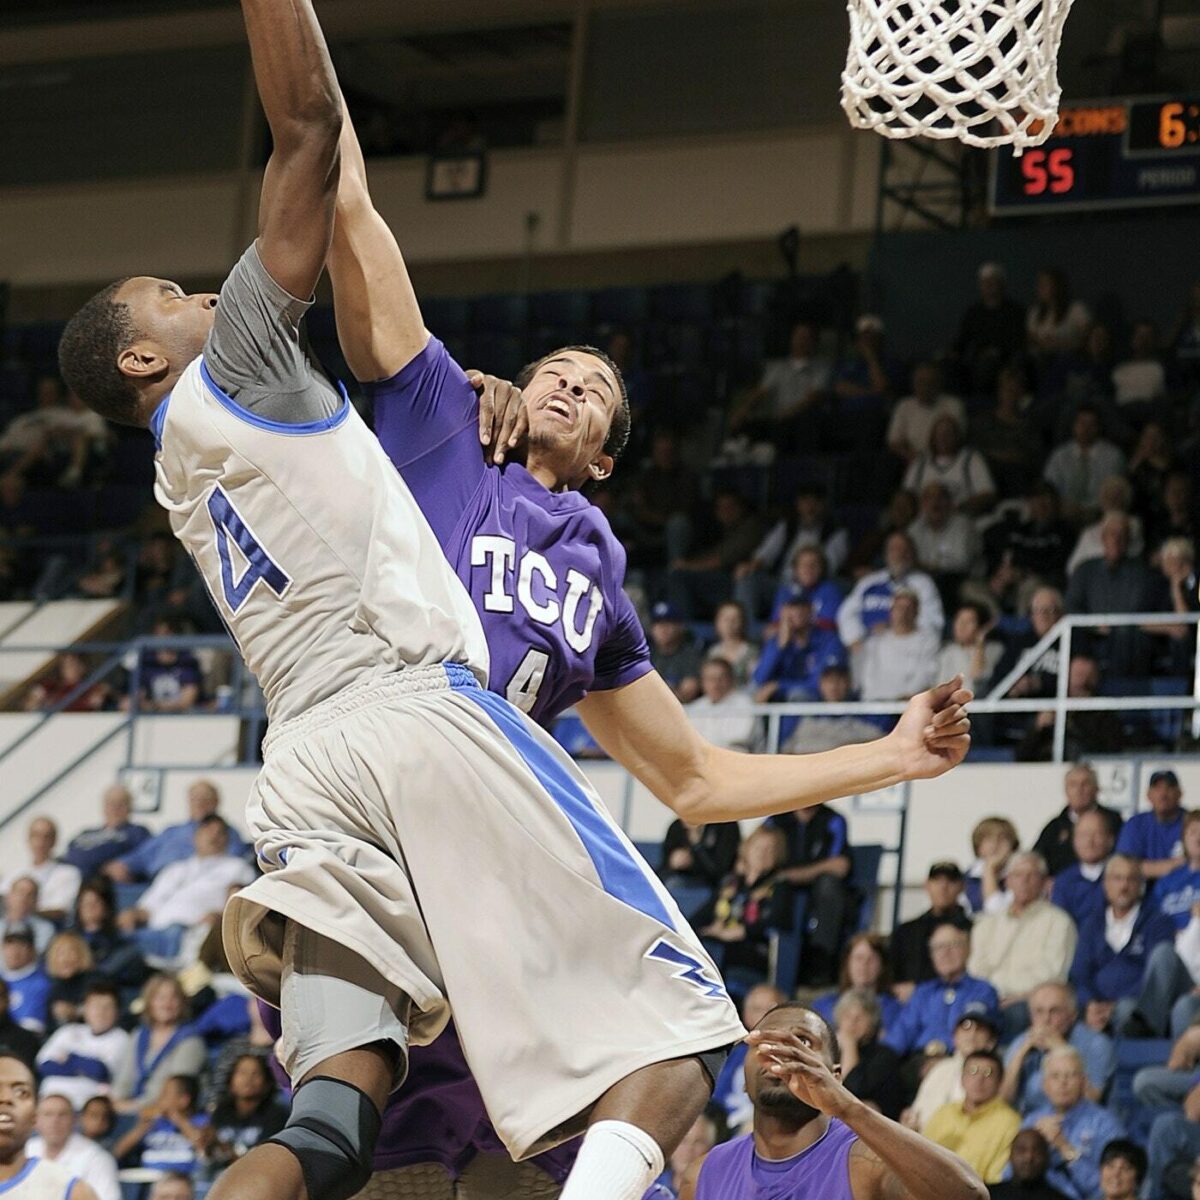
[
  {"x": 545, "y": 573},
  {"x": 811, "y": 1137}
]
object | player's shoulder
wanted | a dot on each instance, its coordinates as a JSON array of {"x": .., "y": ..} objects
[{"x": 432, "y": 360}]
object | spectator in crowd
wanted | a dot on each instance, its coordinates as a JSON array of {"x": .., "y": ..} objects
[
  {"x": 991, "y": 333},
  {"x": 66, "y": 677},
  {"x": 1177, "y": 564},
  {"x": 1176, "y": 893},
  {"x": 1054, "y": 1022},
  {"x": 1116, "y": 499},
  {"x": 868, "y": 607},
  {"x": 28, "y": 983},
  {"x": 1029, "y": 1163},
  {"x": 820, "y": 732},
  {"x": 911, "y": 962},
  {"x": 864, "y": 969},
  {"x": 659, "y": 505},
  {"x": 993, "y": 842},
  {"x": 161, "y": 1047},
  {"x": 792, "y": 661},
  {"x": 729, "y": 1091},
  {"x": 969, "y": 652},
  {"x": 79, "y": 1060},
  {"x": 257, "y": 1039},
  {"x": 959, "y": 468},
  {"x": 788, "y": 399},
  {"x": 1056, "y": 324},
  {"x": 177, "y": 842},
  {"x": 864, "y": 384},
  {"x": 981, "y": 1126},
  {"x": 1140, "y": 379},
  {"x": 190, "y": 892},
  {"x": 1082, "y": 377},
  {"x": 723, "y": 715},
  {"x": 900, "y": 513},
  {"x": 22, "y": 1042},
  {"x": 732, "y": 645},
  {"x": 38, "y": 446},
  {"x": 170, "y": 1135},
  {"x": 247, "y": 1113},
  {"x": 1077, "y": 468},
  {"x": 1086, "y": 732},
  {"x": 1079, "y": 888},
  {"x": 173, "y": 1185},
  {"x": 98, "y": 1120},
  {"x": 818, "y": 864},
  {"x": 116, "y": 956},
  {"x": 912, "y": 422},
  {"x": 1082, "y": 790},
  {"x": 674, "y": 651},
  {"x": 58, "y": 882},
  {"x": 1115, "y": 945},
  {"x": 748, "y": 904},
  {"x": 809, "y": 526},
  {"x": 92, "y": 849},
  {"x": 1028, "y": 943},
  {"x": 170, "y": 678},
  {"x": 946, "y": 542},
  {"x": 1027, "y": 548},
  {"x": 1174, "y": 1147},
  {"x": 1150, "y": 466},
  {"x": 901, "y": 660},
  {"x": 1077, "y": 1129},
  {"x": 1122, "y": 1170},
  {"x": 1041, "y": 679},
  {"x": 699, "y": 855},
  {"x": 977, "y": 1028},
  {"x": 1156, "y": 837},
  {"x": 1007, "y": 437},
  {"x": 20, "y": 908},
  {"x": 71, "y": 968},
  {"x": 1169, "y": 999},
  {"x": 925, "y": 1026},
  {"x": 56, "y": 1141},
  {"x": 1177, "y": 517},
  {"x": 870, "y": 1070},
  {"x": 808, "y": 576},
  {"x": 697, "y": 583}
]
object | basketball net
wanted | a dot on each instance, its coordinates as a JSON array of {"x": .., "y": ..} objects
[{"x": 982, "y": 71}]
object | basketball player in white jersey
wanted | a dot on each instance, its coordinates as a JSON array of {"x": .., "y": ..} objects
[
  {"x": 21, "y": 1177},
  {"x": 425, "y": 846}
]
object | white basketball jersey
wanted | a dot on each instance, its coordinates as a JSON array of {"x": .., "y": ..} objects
[
  {"x": 39, "y": 1180},
  {"x": 313, "y": 548}
]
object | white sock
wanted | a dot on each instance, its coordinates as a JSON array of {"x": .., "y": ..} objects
[{"x": 617, "y": 1161}]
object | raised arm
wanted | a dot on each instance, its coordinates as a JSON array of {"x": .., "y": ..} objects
[
  {"x": 378, "y": 318},
  {"x": 644, "y": 727},
  {"x": 299, "y": 94}
]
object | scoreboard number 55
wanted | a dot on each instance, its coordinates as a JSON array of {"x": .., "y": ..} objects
[{"x": 1048, "y": 171}]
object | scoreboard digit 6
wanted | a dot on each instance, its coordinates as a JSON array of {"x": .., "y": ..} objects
[{"x": 1124, "y": 153}]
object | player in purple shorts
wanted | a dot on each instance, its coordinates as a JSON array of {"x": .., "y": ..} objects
[
  {"x": 811, "y": 1137},
  {"x": 545, "y": 574}
]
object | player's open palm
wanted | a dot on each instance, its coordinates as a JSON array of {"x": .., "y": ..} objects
[
  {"x": 808, "y": 1076},
  {"x": 933, "y": 733},
  {"x": 503, "y": 418}
]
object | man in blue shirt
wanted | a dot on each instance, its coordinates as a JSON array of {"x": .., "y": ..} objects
[
  {"x": 1176, "y": 892},
  {"x": 1079, "y": 888},
  {"x": 1053, "y": 1017},
  {"x": 90, "y": 850},
  {"x": 1156, "y": 836},
  {"x": 926, "y": 1023},
  {"x": 176, "y": 842},
  {"x": 28, "y": 984},
  {"x": 792, "y": 661}
]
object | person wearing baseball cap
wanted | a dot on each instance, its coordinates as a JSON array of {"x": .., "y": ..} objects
[
  {"x": 674, "y": 651},
  {"x": 977, "y": 1028},
  {"x": 911, "y": 963},
  {"x": 1156, "y": 837},
  {"x": 28, "y": 983}
]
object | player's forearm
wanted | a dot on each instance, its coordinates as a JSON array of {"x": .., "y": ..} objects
[
  {"x": 293, "y": 72},
  {"x": 920, "y": 1166}
]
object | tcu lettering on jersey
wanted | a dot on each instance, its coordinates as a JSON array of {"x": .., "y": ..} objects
[{"x": 534, "y": 583}]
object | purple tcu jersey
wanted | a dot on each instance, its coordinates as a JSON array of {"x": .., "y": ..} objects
[
  {"x": 543, "y": 568},
  {"x": 733, "y": 1171}
]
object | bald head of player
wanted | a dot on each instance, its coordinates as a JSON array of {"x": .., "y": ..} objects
[
  {"x": 18, "y": 1108},
  {"x": 123, "y": 351},
  {"x": 578, "y": 416}
]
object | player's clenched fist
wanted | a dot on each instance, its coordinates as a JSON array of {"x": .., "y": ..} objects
[{"x": 933, "y": 733}]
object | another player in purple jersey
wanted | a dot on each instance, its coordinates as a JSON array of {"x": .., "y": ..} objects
[
  {"x": 811, "y": 1137},
  {"x": 546, "y": 575}
]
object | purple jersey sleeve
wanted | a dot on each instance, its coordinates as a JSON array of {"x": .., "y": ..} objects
[
  {"x": 624, "y": 655},
  {"x": 427, "y": 420}
]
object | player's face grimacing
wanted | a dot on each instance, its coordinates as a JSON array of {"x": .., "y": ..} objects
[
  {"x": 571, "y": 400},
  {"x": 172, "y": 325},
  {"x": 18, "y": 1105}
]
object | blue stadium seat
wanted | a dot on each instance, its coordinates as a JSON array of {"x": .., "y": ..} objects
[
  {"x": 506, "y": 313},
  {"x": 1167, "y": 723},
  {"x": 1132, "y": 1055}
]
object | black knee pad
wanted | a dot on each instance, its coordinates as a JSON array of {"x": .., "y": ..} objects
[
  {"x": 713, "y": 1062},
  {"x": 332, "y": 1132}
]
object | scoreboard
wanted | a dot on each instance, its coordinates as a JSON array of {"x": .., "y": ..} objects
[{"x": 1124, "y": 153}]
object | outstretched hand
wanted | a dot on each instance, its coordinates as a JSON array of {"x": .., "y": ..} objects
[
  {"x": 808, "y": 1076},
  {"x": 933, "y": 733},
  {"x": 503, "y": 419}
]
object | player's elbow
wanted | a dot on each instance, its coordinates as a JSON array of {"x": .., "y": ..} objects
[
  {"x": 703, "y": 793},
  {"x": 312, "y": 125}
]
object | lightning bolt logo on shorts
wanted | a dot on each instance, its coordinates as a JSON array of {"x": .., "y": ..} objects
[{"x": 688, "y": 967}]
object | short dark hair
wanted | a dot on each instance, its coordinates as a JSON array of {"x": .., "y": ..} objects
[
  {"x": 618, "y": 431},
  {"x": 102, "y": 987},
  {"x": 1130, "y": 1151},
  {"x": 213, "y": 819},
  {"x": 190, "y": 1085},
  {"x": 827, "y": 1031},
  {"x": 9, "y": 1052},
  {"x": 87, "y": 355}
]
